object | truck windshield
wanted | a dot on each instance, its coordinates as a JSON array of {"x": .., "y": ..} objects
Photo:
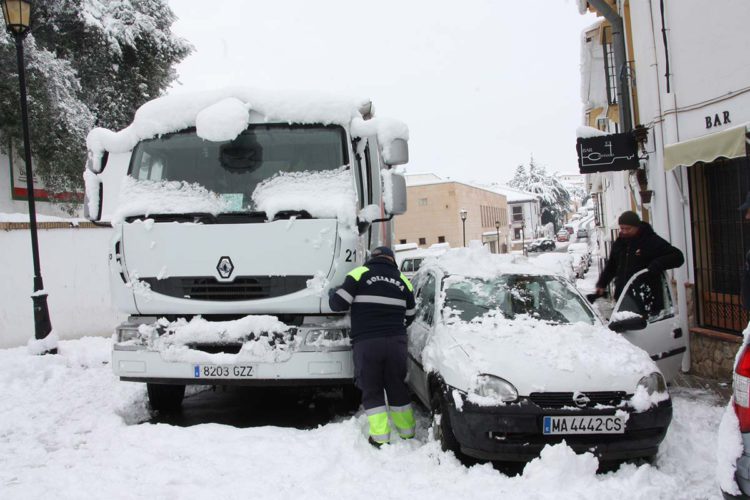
[{"x": 234, "y": 168}]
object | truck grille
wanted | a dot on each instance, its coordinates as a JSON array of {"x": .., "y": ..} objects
[
  {"x": 562, "y": 399},
  {"x": 242, "y": 288}
]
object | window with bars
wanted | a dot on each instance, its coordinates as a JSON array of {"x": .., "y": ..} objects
[
  {"x": 721, "y": 237},
  {"x": 610, "y": 69}
]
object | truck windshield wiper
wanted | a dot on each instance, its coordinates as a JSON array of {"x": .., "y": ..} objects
[
  {"x": 204, "y": 217},
  {"x": 288, "y": 214}
]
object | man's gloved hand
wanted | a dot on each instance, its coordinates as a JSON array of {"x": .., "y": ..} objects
[
  {"x": 591, "y": 297},
  {"x": 332, "y": 292},
  {"x": 654, "y": 269}
]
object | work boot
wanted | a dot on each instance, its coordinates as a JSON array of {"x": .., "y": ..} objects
[{"x": 374, "y": 443}]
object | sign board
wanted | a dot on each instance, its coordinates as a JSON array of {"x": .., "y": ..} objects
[
  {"x": 607, "y": 153},
  {"x": 18, "y": 186}
]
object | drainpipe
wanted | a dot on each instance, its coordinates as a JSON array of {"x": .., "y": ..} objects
[{"x": 618, "y": 44}]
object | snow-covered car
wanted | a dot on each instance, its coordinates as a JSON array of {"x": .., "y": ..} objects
[
  {"x": 562, "y": 235},
  {"x": 582, "y": 233},
  {"x": 510, "y": 357},
  {"x": 541, "y": 245},
  {"x": 410, "y": 265},
  {"x": 581, "y": 258},
  {"x": 733, "y": 453}
]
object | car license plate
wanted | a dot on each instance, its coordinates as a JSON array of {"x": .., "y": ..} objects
[
  {"x": 223, "y": 371},
  {"x": 602, "y": 424}
]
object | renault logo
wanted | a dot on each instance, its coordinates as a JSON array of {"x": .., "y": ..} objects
[
  {"x": 225, "y": 267},
  {"x": 581, "y": 400}
]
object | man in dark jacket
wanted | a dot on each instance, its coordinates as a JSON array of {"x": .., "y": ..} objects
[
  {"x": 637, "y": 247},
  {"x": 382, "y": 306}
]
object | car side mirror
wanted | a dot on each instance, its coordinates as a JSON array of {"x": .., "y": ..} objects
[
  {"x": 396, "y": 152},
  {"x": 628, "y": 324}
]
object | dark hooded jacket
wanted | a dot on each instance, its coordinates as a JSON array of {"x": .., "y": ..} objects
[
  {"x": 646, "y": 250},
  {"x": 380, "y": 297}
]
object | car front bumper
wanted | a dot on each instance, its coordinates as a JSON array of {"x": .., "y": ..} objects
[{"x": 514, "y": 432}]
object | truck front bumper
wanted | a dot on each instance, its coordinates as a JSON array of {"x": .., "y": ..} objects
[{"x": 137, "y": 364}]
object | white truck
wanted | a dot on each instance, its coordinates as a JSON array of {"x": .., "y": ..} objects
[{"x": 237, "y": 211}]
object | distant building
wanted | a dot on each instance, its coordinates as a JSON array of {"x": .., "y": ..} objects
[
  {"x": 434, "y": 214},
  {"x": 525, "y": 214}
]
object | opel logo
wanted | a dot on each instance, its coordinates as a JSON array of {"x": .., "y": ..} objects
[
  {"x": 581, "y": 400},
  {"x": 225, "y": 267}
]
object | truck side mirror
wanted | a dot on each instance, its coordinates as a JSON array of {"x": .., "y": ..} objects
[
  {"x": 396, "y": 152},
  {"x": 92, "y": 200},
  {"x": 394, "y": 187},
  {"x": 96, "y": 162}
]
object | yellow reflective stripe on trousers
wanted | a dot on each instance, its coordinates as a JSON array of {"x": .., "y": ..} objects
[
  {"x": 403, "y": 419},
  {"x": 380, "y": 431}
]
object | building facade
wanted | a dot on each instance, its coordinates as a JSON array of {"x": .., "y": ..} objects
[
  {"x": 434, "y": 214},
  {"x": 688, "y": 100}
]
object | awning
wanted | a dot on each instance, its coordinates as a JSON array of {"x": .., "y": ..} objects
[{"x": 728, "y": 143}]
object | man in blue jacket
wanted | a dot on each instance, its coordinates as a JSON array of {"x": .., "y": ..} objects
[{"x": 382, "y": 306}]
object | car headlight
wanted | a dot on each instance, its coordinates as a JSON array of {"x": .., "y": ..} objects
[
  {"x": 335, "y": 337},
  {"x": 653, "y": 383},
  {"x": 492, "y": 387}
]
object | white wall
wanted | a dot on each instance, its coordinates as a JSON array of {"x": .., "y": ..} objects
[{"x": 74, "y": 269}]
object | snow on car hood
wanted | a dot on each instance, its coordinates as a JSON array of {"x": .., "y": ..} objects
[{"x": 536, "y": 356}]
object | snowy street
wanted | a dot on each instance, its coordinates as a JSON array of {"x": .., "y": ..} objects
[{"x": 70, "y": 427}]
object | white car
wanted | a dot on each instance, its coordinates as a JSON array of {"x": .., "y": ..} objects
[
  {"x": 581, "y": 257},
  {"x": 510, "y": 357}
]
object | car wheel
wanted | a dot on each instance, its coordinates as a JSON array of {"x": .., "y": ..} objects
[
  {"x": 442, "y": 429},
  {"x": 164, "y": 397}
]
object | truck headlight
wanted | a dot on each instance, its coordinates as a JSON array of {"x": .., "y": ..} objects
[
  {"x": 127, "y": 332},
  {"x": 492, "y": 387},
  {"x": 327, "y": 339},
  {"x": 653, "y": 383}
]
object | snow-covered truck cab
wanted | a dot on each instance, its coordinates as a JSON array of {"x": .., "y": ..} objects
[{"x": 237, "y": 212}]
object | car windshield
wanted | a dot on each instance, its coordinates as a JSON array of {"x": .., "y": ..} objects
[
  {"x": 234, "y": 168},
  {"x": 545, "y": 297}
]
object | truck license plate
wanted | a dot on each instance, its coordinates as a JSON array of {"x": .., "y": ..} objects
[
  {"x": 223, "y": 371},
  {"x": 602, "y": 424}
]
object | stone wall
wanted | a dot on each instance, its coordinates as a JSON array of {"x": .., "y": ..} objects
[{"x": 712, "y": 354}]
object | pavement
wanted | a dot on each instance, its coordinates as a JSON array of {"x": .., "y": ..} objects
[{"x": 702, "y": 387}]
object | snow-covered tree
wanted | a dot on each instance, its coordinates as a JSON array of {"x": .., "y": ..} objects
[
  {"x": 554, "y": 196},
  {"x": 88, "y": 62}
]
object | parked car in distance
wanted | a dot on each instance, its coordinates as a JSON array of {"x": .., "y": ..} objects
[
  {"x": 542, "y": 245},
  {"x": 581, "y": 258},
  {"x": 582, "y": 233},
  {"x": 562, "y": 235},
  {"x": 509, "y": 357}
]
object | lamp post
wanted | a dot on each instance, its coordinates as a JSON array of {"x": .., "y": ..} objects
[
  {"x": 497, "y": 227},
  {"x": 463, "y": 213},
  {"x": 17, "y": 14}
]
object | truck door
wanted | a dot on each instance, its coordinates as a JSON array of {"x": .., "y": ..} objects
[{"x": 650, "y": 297}]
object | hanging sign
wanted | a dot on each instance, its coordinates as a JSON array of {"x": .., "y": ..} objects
[{"x": 607, "y": 153}]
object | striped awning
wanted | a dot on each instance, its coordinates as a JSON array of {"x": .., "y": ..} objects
[{"x": 730, "y": 143}]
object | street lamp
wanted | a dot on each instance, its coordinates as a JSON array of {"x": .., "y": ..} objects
[
  {"x": 463, "y": 213},
  {"x": 17, "y": 14},
  {"x": 497, "y": 226}
]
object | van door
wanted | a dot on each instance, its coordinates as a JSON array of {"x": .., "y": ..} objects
[{"x": 650, "y": 297}]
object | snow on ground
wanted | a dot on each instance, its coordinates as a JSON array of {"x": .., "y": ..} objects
[{"x": 69, "y": 427}]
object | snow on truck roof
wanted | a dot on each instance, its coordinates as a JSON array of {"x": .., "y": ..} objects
[
  {"x": 480, "y": 263},
  {"x": 220, "y": 115}
]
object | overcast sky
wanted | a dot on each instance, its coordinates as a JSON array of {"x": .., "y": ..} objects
[{"x": 482, "y": 84}]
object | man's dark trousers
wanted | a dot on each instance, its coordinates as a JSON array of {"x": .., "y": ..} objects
[{"x": 379, "y": 363}]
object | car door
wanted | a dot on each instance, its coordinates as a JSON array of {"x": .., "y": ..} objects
[
  {"x": 650, "y": 297},
  {"x": 419, "y": 332}
]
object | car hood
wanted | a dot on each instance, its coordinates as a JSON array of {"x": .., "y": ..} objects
[{"x": 536, "y": 356}]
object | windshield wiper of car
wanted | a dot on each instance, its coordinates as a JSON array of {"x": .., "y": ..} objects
[{"x": 204, "y": 217}]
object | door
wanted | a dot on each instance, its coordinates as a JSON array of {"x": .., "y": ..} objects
[
  {"x": 419, "y": 333},
  {"x": 650, "y": 297}
]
